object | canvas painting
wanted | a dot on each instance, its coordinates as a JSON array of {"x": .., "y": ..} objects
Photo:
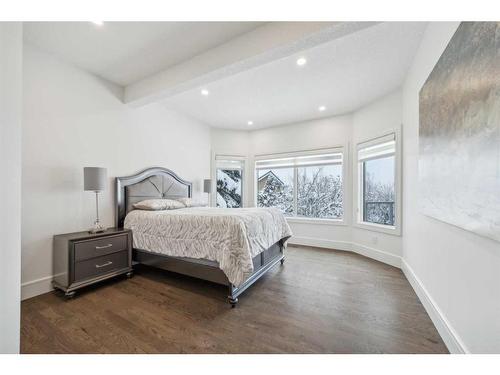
[{"x": 459, "y": 134}]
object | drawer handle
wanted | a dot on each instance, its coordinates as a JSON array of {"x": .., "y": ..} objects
[
  {"x": 103, "y": 247},
  {"x": 104, "y": 265}
]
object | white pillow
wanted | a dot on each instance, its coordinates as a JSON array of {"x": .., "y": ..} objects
[
  {"x": 158, "y": 204},
  {"x": 190, "y": 202}
]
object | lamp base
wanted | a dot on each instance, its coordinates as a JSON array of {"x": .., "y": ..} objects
[{"x": 97, "y": 228}]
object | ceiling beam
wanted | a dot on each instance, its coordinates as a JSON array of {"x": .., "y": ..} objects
[{"x": 262, "y": 45}]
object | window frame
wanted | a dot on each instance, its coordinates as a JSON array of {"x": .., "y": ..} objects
[
  {"x": 341, "y": 149},
  {"x": 358, "y": 183},
  {"x": 225, "y": 157}
]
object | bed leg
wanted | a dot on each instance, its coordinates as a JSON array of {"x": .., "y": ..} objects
[
  {"x": 282, "y": 249},
  {"x": 232, "y": 301},
  {"x": 231, "y": 298},
  {"x": 69, "y": 295}
]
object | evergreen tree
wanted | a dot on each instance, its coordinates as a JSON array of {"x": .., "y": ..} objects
[
  {"x": 228, "y": 188},
  {"x": 276, "y": 194}
]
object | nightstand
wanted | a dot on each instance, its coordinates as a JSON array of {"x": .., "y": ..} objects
[{"x": 81, "y": 259}]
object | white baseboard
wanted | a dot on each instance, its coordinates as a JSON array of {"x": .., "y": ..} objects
[
  {"x": 448, "y": 334},
  {"x": 320, "y": 242},
  {"x": 450, "y": 337},
  {"x": 380, "y": 255},
  {"x": 36, "y": 287}
]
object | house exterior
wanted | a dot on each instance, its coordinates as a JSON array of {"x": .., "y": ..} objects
[{"x": 269, "y": 178}]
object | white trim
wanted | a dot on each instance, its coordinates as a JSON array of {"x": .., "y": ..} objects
[
  {"x": 320, "y": 242},
  {"x": 225, "y": 157},
  {"x": 356, "y": 187},
  {"x": 369, "y": 252},
  {"x": 448, "y": 334},
  {"x": 450, "y": 337},
  {"x": 379, "y": 228},
  {"x": 295, "y": 190},
  {"x": 213, "y": 177},
  {"x": 388, "y": 137},
  {"x": 338, "y": 149},
  {"x": 308, "y": 220},
  {"x": 377, "y": 254},
  {"x": 300, "y": 160},
  {"x": 217, "y": 157},
  {"x": 36, "y": 287},
  {"x": 287, "y": 154}
]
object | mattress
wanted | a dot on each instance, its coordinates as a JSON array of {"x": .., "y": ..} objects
[{"x": 229, "y": 236}]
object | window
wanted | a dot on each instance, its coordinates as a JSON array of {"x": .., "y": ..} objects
[
  {"x": 307, "y": 185},
  {"x": 229, "y": 182},
  {"x": 377, "y": 181},
  {"x": 319, "y": 191},
  {"x": 275, "y": 189}
]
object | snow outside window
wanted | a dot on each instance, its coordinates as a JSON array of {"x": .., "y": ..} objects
[
  {"x": 377, "y": 181},
  {"x": 229, "y": 183},
  {"x": 275, "y": 189},
  {"x": 307, "y": 184},
  {"x": 319, "y": 192}
]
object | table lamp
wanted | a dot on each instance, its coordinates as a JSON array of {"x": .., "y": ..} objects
[{"x": 94, "y": 179}]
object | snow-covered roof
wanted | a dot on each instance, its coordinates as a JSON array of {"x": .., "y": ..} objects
[{"x": 271, "y": 174}]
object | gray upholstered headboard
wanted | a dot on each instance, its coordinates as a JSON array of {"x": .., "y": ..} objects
[{"x": 156, "y": 182}]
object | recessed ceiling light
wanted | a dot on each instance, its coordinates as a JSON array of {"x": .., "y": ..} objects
[
  {"x": 321, "y": 108},
  {"x": 250, "y": 123},
  {"x": 301, "y": 61},
  {"x": 205, "y": 92},
  {"x": 98, "y": 23}
]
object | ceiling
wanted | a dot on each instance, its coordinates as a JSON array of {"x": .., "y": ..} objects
[
  {"x": 126, "y": 52},
  {"x": 342, "y": 75}
]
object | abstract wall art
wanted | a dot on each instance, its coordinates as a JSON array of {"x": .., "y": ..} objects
[{"x": 459, "y": 132}]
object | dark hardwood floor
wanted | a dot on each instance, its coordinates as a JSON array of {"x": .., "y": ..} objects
[{"x": 320, "y": 301}]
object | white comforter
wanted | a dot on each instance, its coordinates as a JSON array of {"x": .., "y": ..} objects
[{"x": 229, "y": 236}]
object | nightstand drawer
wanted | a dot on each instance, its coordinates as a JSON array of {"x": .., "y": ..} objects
[
  {"x": 100, "y": 247},
  {"x": 101, "y": 265}
]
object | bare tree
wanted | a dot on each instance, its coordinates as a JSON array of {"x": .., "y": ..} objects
[
  {"x": 378, "y": 201},
  {"x": 318, "y": 195}
]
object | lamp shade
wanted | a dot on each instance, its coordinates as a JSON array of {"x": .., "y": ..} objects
[
  {"x": 207, "y": 186},
  {"x": 94, "y": 178}
]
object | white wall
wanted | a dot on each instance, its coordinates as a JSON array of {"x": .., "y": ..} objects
[
  {"x": 370, "y": 121},
  {"x": 323, "y": 133},
  {"x": 10, "y": 186},
  {"x": 232, "y": 143},
  {"x": 376, "y": 119},
  {"x": 73, "y": 119},
  {"x": 455, "y": 272}
]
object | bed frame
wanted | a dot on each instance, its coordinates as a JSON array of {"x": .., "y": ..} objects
[{"x": 160, "y": 182}]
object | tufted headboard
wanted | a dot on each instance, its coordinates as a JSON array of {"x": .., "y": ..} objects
[{"x": 156, "y": 182}]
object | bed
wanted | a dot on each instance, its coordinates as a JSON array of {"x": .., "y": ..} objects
[{"x": 232, "y": 247}]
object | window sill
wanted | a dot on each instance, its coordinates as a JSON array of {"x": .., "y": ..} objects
[
  {"x": 387, "y": 229},
  {"x": 306, "y": 220}
]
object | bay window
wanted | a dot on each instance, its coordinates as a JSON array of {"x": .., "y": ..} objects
[
  {"x": 307, "y": 185},
  {"x": 378, "y": 182}
]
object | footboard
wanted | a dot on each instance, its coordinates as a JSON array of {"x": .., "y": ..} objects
[
  {"x": 262, "y": 263},
  {"x": 210, "y": 271}
]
